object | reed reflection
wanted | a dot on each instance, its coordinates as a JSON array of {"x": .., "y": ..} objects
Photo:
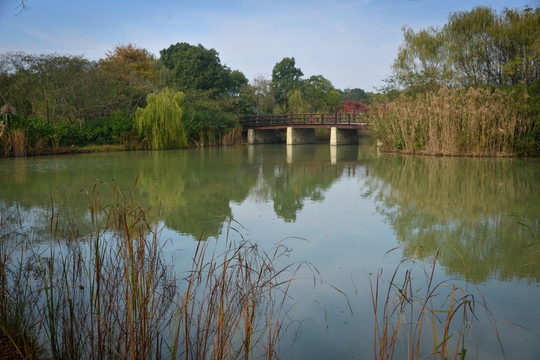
[{"x": 483, "y": 214}]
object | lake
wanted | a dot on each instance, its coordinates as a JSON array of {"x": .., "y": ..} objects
[{"x": 345, "y": 212}]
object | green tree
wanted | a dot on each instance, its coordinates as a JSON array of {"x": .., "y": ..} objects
[
  {"x": 163, "y": 74},
  {"x": 355, "y": 94},
  {"x": 475, "y": 48},
  {"x": 321, "y": 94},
  {"x": 472, "y": 38},
  {"x": 262, "y": 95},
  {"x": 195, "y": 68},
  {"x": 519, "y": 45},
  {"x": 132, "y": 71},
  {"x": 422, "y": 61},
  {"x": 54, "y": 87},
  {"x": 285, "y": 78},
  {"x": 160, "y": 122},
  {"x": 297, "y": 103},
  {"x": 236, "y": 83}
]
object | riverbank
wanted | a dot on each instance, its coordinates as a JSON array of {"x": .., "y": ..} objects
[{"x": 102, "y": 148}]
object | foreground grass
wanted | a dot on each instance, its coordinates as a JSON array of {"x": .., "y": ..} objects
[
  {"x": 410, "y": 309},
  {"x": 111, "y": 294}
]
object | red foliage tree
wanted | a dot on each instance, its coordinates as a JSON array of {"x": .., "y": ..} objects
[{"x": 351, "y": 106}]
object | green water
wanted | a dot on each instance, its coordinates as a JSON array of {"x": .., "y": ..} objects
[{"x": 340, "y": 209}]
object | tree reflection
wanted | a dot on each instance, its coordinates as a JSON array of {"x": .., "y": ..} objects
[
  {"x": 189, "y": 191},
  {"x": 307, "y": 172},
  {"x": 483, "y": 214},
  {"x": 194, "y": 189}
]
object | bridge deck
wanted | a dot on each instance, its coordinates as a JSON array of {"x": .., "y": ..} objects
[{"x": 309, "y": 120}]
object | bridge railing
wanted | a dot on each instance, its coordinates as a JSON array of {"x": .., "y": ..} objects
[{"x": 305, "y": 119}]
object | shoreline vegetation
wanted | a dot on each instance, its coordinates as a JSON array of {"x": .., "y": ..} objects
[
  {"x": 458, "y": 122},
  {"x": 470, "y": 87}
]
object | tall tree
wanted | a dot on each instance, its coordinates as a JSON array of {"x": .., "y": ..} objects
[
  {"x": 321, "y": 94},
  {"x": 297, "y": 102},
  {"x": 52, "y": 86},
  {"x": 422, "y": 59},
  {"x": 285, "y": 78},
  {"x": 195, "y": 68},
  {"x": 129, "y": 63},
  {"x": 471, "y": 38},
  {"x": 263, "y": 97},
  {"x": 355, "y": 94},
  {"x": 132, "y": 69},
  {"x": 236, "y": 82},
  {"x": 477, "y": 47}
]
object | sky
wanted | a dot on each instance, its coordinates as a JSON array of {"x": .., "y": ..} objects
[{"x": 352, "y": 43}]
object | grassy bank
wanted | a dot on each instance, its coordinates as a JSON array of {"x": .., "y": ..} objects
[{"x": 467, "y": 122}]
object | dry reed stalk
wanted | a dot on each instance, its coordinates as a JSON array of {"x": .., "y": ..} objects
[
  {"x": 406, "y": 309},
  {"x": 18, "y": 142},
  {"x": 227, "y": 301},
  {"x": 232, "y": 137},
  {"x": 454, "y": 122},
  {"x": 110, "y": 295}
]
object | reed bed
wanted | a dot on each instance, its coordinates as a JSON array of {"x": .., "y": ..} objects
[
  {"x": 12, "y": 143},
  {"x": 476, "y": 122},
  {"x": 226, "y": 138},
  {"x": 410, "y": 311},
  {"x": 110, "y": 294}
]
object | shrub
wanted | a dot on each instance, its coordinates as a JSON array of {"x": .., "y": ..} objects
[{"x": 210, "y": 127}]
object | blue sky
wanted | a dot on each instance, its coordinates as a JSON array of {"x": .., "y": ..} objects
[{"x": 350, "y": 42}]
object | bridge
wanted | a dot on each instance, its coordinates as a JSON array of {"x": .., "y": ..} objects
[{"x": 301, "y": 128}]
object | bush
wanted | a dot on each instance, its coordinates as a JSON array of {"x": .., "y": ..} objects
[
  {"x": 208, "y": 126},
  {"x": 69, "y": 134}
]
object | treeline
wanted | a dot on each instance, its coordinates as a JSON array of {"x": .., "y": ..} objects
[
  {"x": 53, "y": 103},
  {"x": 471, "y": 87}
]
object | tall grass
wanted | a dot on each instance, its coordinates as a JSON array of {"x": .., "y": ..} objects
[
  {"x": 233, "y": 306},
  {"x": 13, "y": 143},
  {"x": 111, "y": 294},
  {"x": 480, "y": 122},
  {"x": 409, "y": 312}
]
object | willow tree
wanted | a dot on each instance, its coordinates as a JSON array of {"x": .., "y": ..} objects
[{"x": 160, "y": 122}]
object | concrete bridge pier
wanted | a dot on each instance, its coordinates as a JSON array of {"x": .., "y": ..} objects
[
  {"x": 296, "y": 136},
  {"x": 343, "y": 136},
  {"x": 261, "y": 136}
]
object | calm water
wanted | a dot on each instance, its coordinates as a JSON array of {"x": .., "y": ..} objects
[{"x": 339, "y": 208}]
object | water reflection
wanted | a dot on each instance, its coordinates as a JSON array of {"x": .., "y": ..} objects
[{"x": 483, "y": 214}]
